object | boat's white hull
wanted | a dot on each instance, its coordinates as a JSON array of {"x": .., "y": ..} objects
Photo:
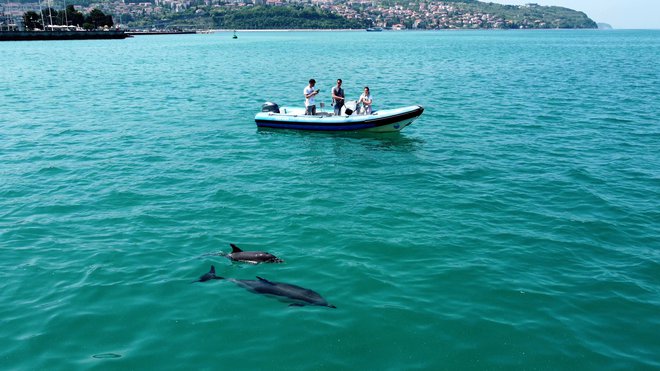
[{"x": 380, "y": 121}]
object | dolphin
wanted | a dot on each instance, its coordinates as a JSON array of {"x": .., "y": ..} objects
[
  {"x": 296, "y": 295},
  {"x": 253, "y": 257}
]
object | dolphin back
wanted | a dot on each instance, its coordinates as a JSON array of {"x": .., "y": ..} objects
[
  {"x": 299, "y": 296},
  {"x": 254, "y": 257}
]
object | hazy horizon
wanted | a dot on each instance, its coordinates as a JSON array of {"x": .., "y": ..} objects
[{"x": 630, "y": 14}]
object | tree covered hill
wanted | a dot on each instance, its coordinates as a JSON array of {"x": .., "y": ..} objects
[
  {"x": 414, "y": 14},
  {"x": 277, "y": 17},
  {"x": 552, "y": 16},
  {"x": 338, "y": 14}
]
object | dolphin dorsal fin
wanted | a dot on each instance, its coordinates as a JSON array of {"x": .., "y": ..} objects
[
  {"x": 265, "y": 280},
  {"x": 212, "y": 271},
  {"x": 234, "y": 248}
]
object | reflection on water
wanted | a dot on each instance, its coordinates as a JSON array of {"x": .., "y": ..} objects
[{"x": 396, "y": 141}]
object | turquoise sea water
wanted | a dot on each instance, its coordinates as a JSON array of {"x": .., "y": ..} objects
[{"x": 515, "y": 225}]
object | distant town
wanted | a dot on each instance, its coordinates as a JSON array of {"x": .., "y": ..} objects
[{"x": 208, "y": 14}]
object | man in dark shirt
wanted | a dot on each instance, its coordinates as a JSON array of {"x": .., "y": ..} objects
[{"x": 338, "y": 97}]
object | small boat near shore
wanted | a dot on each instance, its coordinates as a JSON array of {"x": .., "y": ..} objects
[{"x": 382, "y": 121}]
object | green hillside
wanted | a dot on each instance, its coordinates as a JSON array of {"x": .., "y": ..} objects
[
  {"x": 552, "y": 16},
  {"x": 280, "y": 17},
  {"x": 342, "y": 14}
]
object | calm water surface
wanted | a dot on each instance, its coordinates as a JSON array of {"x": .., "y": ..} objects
[{"x": 515, "y": 225}]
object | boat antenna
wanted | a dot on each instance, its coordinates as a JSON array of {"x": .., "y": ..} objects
[
  {"x": 50, "y": 14},
  {"x": 43, "y": 21},
  {"x": 66, "y": 18}
]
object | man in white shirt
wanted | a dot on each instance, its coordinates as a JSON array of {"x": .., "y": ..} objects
[{"x": 310, "y": 93}]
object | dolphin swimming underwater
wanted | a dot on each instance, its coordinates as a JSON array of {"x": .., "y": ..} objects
[
  {"x": 298, "y": 296},
  {"x": 253, "y": 257}
]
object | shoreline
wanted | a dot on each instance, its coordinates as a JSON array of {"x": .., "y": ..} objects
[{"x": 404, "y": 30}]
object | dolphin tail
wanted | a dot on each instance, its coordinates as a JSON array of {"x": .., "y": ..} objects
[
  {"x": 234, "y": 248},
  {"x": 209, "y": 276},
  {"x": 212, "y": 273}
]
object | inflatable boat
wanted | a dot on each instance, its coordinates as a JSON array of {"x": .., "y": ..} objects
[{"x": 386, "y": 120}]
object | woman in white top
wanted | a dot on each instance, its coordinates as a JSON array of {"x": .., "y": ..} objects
[{"x": 366, "y": 100}]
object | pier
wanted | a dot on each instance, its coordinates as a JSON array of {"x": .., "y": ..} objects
[{"x": 61, "y": 35}]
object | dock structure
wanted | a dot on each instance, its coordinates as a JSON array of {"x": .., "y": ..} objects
[{"x": 61, "y": 35}]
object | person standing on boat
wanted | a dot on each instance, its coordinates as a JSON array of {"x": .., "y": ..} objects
[
  {"x": 310, "y": 93},
  {"x": 338, "y": 97},
  {"x": 366, "y": 100}
]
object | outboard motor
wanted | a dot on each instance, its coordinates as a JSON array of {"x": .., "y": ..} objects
[{"x": 270, "y": 107}]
